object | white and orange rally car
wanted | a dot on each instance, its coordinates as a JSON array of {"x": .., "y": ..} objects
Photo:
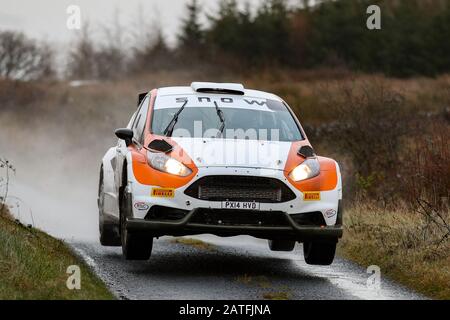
[{"x": 220, "y": 159}]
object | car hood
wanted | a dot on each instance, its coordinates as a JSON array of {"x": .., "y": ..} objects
[{"x": 236, "y": 153}]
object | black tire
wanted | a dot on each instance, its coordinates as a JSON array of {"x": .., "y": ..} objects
[
  {"x": 281, "y": 245},
  {"x": 135, "y": 246},
  {"x": 109, "y": 233},
  {"x": 319, "y": 253},
  {"x": 109, "y": 236}
]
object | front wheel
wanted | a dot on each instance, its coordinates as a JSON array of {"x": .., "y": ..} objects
[
  {"x": 319, "y": 253},
  {"x": 135, "y": 246}
]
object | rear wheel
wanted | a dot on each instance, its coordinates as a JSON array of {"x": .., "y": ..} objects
[
  {"x": 109, "y": 233},
  {"x": 319, "y": 253},
  {"x": 281, "y": 245},
  {"x": 135, "y": 246}
]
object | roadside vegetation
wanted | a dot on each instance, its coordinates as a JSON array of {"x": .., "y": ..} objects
[
  {"x": 408, "y": 246},
  {"x": 33, "y": 266}
]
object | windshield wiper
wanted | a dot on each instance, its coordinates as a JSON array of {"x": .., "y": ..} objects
[
  {"x": 169, "y": 130},
  {"x": 222, "y": 119}
]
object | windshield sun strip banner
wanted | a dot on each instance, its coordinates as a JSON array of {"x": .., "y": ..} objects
[{"x": 201, "y": 101}]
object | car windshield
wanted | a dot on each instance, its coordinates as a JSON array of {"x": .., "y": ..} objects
[{"x": 271, "y": 123}]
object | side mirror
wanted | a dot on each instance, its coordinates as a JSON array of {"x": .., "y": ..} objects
[{"x": 125, "y": 134}]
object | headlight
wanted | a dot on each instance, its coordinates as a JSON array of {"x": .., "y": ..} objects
[
  {"x": 307, "y": 170},
  {"x": 164, "y": 163}
]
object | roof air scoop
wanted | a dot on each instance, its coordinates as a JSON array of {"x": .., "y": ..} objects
[
  {"x": 219, "y": 88},
  {"x": 307, "y": 152},
  {"x": 160, "y": 146}
]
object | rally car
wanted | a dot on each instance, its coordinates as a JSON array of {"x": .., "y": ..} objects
[{"x": 217, "y": 158}]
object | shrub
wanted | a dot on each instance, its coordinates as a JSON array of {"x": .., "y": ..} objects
[
  {"x": 427, "y": 178},
  {"x": 370, "y": 122},
  {"x": 24, "y": 59},
  {"x": 19, "y": 95}
]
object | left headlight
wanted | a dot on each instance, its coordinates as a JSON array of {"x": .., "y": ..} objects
[
  {"x": 307, "y": 170},
  {"x": 164, "y": 163}
]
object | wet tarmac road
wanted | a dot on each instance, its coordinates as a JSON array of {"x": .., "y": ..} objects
[{"x": 231, "y": 269}]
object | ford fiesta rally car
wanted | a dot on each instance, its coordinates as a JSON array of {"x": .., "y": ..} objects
[{"x": 218, "y": 159}]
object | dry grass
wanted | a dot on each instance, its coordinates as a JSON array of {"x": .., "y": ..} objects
[
  {"x": 260, "y": 281},
  {"x": 194, "y": 243},
  {"x": 33, "y": 266},
  {"x": 244, "y": 279},
  {"x": 282, "y": 293},
  {"x": 279, "y": 295},
  {"x": 4, "y": 212},
  {"x": 403, "y": 244}
]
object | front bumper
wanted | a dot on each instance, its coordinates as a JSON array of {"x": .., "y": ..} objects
[
  {"x": 329, "y": 199},
  {"x": 185, "y": 226}
]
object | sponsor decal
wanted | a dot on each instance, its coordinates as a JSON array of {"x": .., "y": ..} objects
[
  {"x": 141, "y": 206},
  {"x": 311, "y": 196},
  {"x": 330, "y": 213},
  {"x": 163, "y": 193}
]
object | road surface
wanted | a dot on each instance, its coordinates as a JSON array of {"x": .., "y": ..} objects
[{"x": 231, "y": 269}]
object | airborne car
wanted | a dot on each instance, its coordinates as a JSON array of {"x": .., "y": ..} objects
[{"x": 221, "y": 159}]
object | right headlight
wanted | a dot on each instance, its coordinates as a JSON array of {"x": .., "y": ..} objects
[
  {"x": 164, "y": 163},
  {"x": 307, "y": 170}
]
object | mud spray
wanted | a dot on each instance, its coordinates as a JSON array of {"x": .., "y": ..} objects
[{"x": 56, "y": 181}]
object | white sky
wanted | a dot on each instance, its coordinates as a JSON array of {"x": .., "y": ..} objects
[{"x": 47, "y": 18}]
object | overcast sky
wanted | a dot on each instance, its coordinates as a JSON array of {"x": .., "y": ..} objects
[{"x": 47, "y": 18}]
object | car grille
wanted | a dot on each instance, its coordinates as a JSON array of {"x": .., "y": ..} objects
[
  {"x": 240, "y": 188},
  {"x": 239, "y": 218}
]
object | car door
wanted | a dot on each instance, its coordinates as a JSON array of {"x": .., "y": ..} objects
[
  {"x": 119, "y": 157},
  {"x": 137, "y": 124}
]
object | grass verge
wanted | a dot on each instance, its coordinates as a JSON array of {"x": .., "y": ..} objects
[
  {"x": 33, "y": 266},
  {"x": 400, "y": 244}
]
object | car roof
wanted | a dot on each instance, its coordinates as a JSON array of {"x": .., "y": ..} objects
[{"x": 185, "y": 90}]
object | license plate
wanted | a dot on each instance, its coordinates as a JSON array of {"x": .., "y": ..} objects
[{"x": 240, "y": 205}]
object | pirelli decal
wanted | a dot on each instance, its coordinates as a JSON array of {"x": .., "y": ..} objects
[
  {"x": 163, "y": 193},
  {"x": 311, "y": 196}
]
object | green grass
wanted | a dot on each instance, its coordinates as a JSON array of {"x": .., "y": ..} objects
[{"x": 33, "y": 266}]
